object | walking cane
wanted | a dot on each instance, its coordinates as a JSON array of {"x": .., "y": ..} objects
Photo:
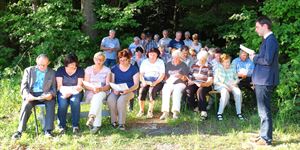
[{"x": 35, "y": 120}]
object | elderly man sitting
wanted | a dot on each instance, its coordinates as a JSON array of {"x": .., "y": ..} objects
[
  {"x": 38, "y": 86},
  {"x": 176, "y": 75},
  {"x": 244, "y": 68}
]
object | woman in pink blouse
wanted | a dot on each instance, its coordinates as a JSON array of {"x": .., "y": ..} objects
[{"x": 96, "y": 82}]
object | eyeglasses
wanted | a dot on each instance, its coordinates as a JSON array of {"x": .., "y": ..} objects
[
  {"x": 123, "y": 59},
  {"x": 42, "y": 65}
]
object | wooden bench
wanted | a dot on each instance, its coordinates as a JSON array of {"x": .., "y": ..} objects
[
  {"x": 214, "y": 95},
  {"x": 83, "y": 114}
]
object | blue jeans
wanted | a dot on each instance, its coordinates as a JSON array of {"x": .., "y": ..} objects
[
  {"x": 74, "y": 102},
  {"x": 263, "y": 96},
  {"x": 110, "y": 63}
]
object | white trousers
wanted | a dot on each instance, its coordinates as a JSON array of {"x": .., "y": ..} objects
[
  {"x": 96, "y": 107},
  {"x": 176, "y": 91},
  {"x": 237, "y": 94}
]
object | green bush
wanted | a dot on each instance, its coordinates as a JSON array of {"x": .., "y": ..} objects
[
  {"x": 286, "y": 21},
  {"x": 54, "y": 29}
]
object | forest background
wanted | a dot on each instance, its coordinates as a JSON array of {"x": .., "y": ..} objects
[{"x": 58, "y": 27}]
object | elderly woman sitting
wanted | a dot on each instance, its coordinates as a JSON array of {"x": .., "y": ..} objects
[
  {"x": 96, "y": 82},
  {"x": 200, "y": 82},
  {"x": 225, "y": 81},
  {"x": 176, "y": 74}
]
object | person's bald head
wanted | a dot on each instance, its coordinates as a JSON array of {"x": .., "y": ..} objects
[{"x": 42, "y": 62}]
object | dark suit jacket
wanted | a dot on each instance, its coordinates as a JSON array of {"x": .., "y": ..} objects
[
  {"x": 266, "y": 70},
  {"x": 29, "y": 77}
]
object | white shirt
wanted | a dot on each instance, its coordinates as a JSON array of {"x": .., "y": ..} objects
[
  {"x": 266, "y": 35},
  {"x": 152, "y": 71}
]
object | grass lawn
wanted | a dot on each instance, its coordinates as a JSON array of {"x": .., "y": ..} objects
[{"x": 188, "y": 132}]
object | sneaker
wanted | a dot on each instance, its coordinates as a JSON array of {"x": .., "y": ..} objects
[
  {"x": 90, "y": 121},
  {"x": 164, "y": 116},
  {"x": 17, "y": 135},
  {"x": 75, "y": 130},
  {"x": 94, "y": 130},
  {"x": 150, "y": 114},
  {"x": 140, "y": 114},
  {"x": 175, "y": 115},
  {"x": 240, "y": 116},
  {"x": 122, "y": 127},
  {"x": 262, "y": 142},
  {"x": 203, "y": 114},
  {"x": 48, "y": 134},
  {"x": 61, "y": 130}
]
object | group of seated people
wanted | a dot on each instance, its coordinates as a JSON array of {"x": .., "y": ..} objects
[{"x": 183, "y": 75}]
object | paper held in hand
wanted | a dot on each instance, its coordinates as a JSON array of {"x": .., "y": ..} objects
[
  {"x": 243, "y": 71},
  {"x": 119, "y": 87},
  {"x": 171, "y": 79},
  {"x": 247, "y": 50},
  {"x": 68, "y": 89},
  {"x": 92, "y": 85}
]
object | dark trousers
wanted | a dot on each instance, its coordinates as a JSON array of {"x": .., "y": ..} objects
[
  {"x": 263, "y": 96},
  {"x": 26, "y": 112},
  {"x": 201, "y": 92},
  {"x": 245, "y": 83},
  {"x": 152, "y": 92}
]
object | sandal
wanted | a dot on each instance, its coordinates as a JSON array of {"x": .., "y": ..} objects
[
  {"x": 150, "y": 114},
  {"x": 90, "y": 121},
  {"x": 220, "y": 117},
  {"x": 140, "y": 114},
  {"x": 240, "y": 116},
  {"x": 114, "y": 125}
]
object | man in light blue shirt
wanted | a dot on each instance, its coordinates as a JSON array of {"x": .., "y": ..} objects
[
  {"x": 244, "y": 68},
  {"x": 110, "y": 45},
  {"x": 38, "y": 87},
  {"x": 38, "y": 84}
]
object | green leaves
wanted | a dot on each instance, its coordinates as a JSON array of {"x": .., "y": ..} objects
[{"x": 54, "y": 29}]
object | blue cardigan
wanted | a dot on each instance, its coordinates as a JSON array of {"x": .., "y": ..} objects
[{"x": 266, "y": 70}]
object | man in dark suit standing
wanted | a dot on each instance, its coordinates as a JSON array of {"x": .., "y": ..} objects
[
  {"x": 38, "y": 86},
  {"x": 265, "y": 77}
]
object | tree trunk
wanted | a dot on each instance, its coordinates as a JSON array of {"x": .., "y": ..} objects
[
  {"x": 175, "y": 16},
  {"x": 34, "y": 5},
  {"x": 87, "y": 7}
]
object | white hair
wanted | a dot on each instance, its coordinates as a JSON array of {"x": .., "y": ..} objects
[
  {"x": 202, "y": 54},
  {"x": 176, "y": 53},
  {"x": 187, "y": 33},
  {"x": 136, "y": 38}
]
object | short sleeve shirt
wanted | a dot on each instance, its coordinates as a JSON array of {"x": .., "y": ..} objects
[
  {"x": 176, "y": 44},
  {"x": 99, "y": 77},
  {"x": 124, "y": 77},
  {"x": 110, "y": 43},
  {"x": 200, "y": 73},
  {"x": 152, "y": 71},
  {"x": 181, "y": 68},
  {"x": 68, "y": 80}
]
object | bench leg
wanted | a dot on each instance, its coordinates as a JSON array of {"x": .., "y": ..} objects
[{"x": 35, "y": 121}]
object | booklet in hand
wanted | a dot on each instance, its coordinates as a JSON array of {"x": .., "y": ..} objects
[
  {"x": 247, "y": 50},
  {"x": 92, "y": 85},
  {"x": 118, "y": 87},
  {"x": 68, "y": 89}
]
